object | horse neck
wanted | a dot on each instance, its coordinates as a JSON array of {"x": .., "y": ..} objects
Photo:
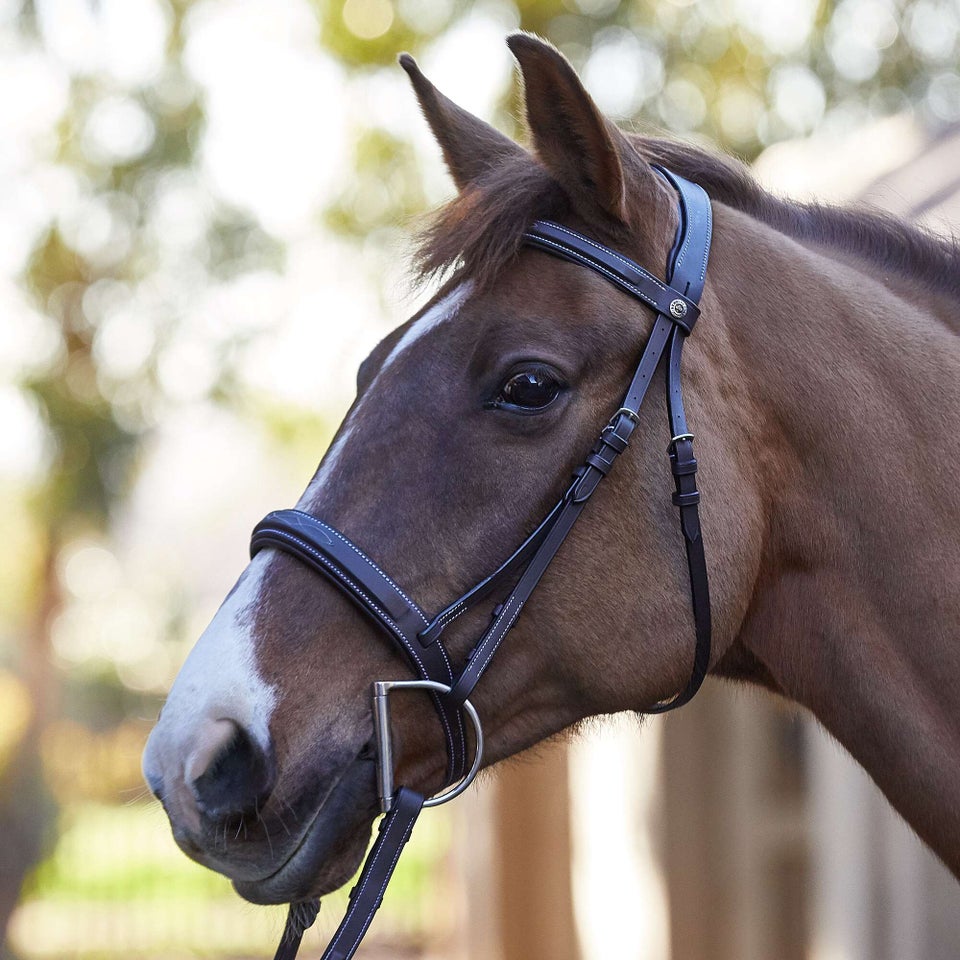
[{"x": 855, "y": 398}]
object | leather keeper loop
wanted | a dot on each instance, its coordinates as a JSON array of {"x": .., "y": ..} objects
[
  {"x": 584, "y": 487},
  {"x": 682, "y": 468},
  {"x": 595, "y": 460},
  {"x": 611, "y": 438},
  {"x": 431, "y": 634},
  {"x": 686, "y": 499}
]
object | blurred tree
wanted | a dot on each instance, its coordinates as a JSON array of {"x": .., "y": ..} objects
[
  {"x": 740, "y": 74},
  {"x": 127, "y": 146}
]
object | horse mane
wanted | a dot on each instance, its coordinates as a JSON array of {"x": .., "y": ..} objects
[
  {"x": 886, "y": 241},
  {"x": 481, "y": 230}
]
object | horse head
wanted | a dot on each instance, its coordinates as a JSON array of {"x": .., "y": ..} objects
[{"x": 468, "y": 422}]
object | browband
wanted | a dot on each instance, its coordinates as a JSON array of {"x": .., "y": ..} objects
[{"x": 627, "y": 275}]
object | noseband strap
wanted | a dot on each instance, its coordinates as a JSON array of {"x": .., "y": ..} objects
[
  {"x": 329, "y": 553},
  {"x": 675, "y": 303}
]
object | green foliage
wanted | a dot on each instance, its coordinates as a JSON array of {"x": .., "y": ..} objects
[
  {"x": 117, "y": 886},
  {"x": 363, "y": 33},
  {"x": 96, "y": 413},
  {"x": 236, "y": 243},
  {"x": 384, "y": 187},
  {"x": 92, "y": 435},
  {"x": 739, "y": 75},
  {"x": 91, "y": 449}
]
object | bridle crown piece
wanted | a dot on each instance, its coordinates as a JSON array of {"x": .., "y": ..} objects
[{"x": 675, "y": 303}]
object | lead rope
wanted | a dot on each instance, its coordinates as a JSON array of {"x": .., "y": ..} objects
[
  {"x": 367, "y": 894},
  {"x": 300, "y": 918}
]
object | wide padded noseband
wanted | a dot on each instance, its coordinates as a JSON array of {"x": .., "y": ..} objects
[{"x": 329, "y": 553}]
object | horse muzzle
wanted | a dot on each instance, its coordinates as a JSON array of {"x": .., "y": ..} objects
[{"x": 222, "y": 797}]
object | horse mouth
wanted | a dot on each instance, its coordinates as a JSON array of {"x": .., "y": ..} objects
[{"x": 331, "y": 848}]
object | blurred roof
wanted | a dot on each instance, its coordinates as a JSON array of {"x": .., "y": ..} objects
[
  {"x": 925, "y": 189},
  {"x": 893, "y": 163}
]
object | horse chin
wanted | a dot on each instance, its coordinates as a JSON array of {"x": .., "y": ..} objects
[{"x": 331, "y": 848}]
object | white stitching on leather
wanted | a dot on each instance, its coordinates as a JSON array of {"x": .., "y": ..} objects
[
  {"x": 443, "y": 653},
  {"x": 364, "y": 557},
  {"x": 505, "y": 631},
  {"x": 607, "y": 273},
  {"x": 353, "y": 906},
  {"x": 452, "y": 614},
  {"x": 616, "y": 256},
  {"x": 460, "y": 742},
  {"x": 706, "y": 249},
  {"x": 389, "y": 621},
  {"x": 684, "y": 247},
  {"x": 706, "y": 246},
  {"x": 330, "y": 565}
]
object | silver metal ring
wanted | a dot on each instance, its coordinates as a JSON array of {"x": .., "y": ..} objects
[{"x": 381, "y": 723}]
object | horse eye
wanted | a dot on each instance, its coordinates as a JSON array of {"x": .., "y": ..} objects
[{"x": 533, "y": 388}]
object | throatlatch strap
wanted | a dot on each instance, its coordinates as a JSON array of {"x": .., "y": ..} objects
[
  {"x": 687, "y": 269},
  {"x": 676, "y": 306}
]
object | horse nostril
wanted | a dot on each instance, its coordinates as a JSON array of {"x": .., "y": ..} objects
[{"x": 228, "y": 772}]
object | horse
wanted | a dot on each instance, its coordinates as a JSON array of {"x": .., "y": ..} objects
[{"x": 822, "y": 382}]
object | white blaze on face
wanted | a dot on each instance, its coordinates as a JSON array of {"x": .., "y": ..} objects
[
  {"x": 219, "y": 680},
  {"x": 443, "y": 310}
]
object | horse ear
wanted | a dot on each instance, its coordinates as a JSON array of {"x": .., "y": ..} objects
[
  {"x": 580, "y": 147},
  {"x": 470, "y": 146}
]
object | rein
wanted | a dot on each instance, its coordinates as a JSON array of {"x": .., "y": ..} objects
[{"x": 328, "y": 552}]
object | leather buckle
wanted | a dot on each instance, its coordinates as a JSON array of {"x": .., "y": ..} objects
[
  {"x": 671, "y": 446},
  {"x": 631, "y": 415}
]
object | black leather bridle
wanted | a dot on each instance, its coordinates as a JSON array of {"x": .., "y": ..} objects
[{"x": 328, "y": 552}]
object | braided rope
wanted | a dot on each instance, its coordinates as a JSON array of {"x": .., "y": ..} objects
[{"x": 300, "y": 918}]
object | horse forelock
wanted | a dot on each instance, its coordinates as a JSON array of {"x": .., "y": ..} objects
[{"x": 481, "y": 230}]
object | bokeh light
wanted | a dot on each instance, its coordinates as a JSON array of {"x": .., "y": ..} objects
[{"x": 205, "y": 207}]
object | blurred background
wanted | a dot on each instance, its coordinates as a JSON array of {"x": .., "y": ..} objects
[{"x": 203, "y": 214}]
